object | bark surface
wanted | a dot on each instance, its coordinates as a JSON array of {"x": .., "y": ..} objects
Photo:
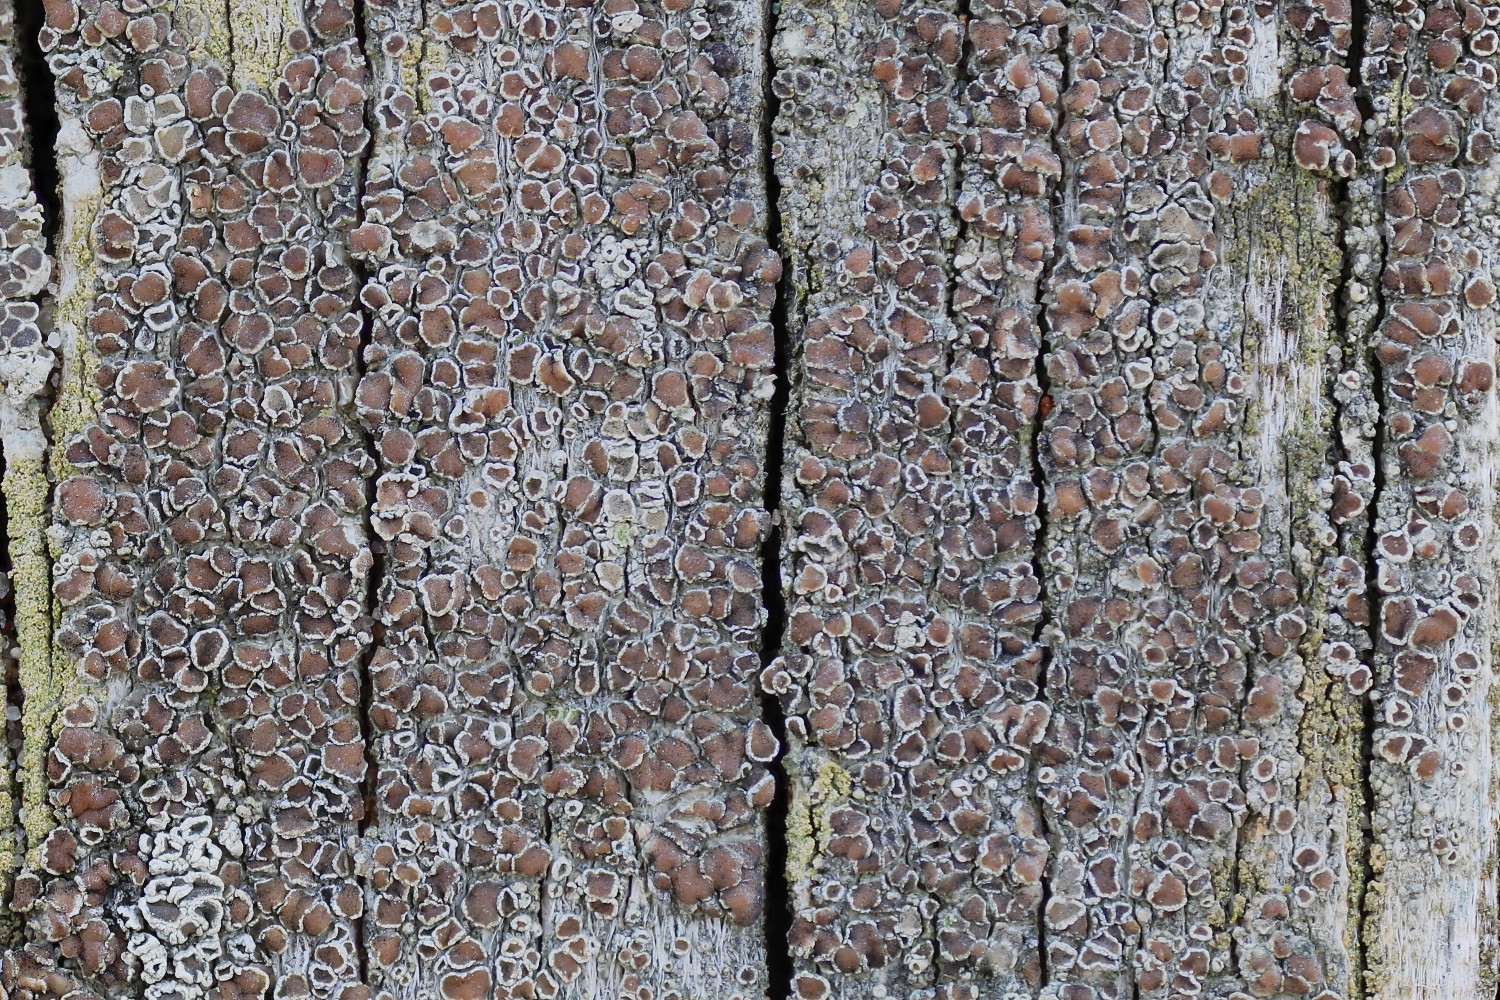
[{"x": 949, "y": 500}]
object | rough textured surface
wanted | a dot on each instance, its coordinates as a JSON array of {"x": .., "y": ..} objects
[
  {"x": 1192, "y": 458},
  {"x": 25, "y": 362},
  {"x": 568, "y": 289},
  {"x": 209, "y": 556},
  {"x": 1140, "y": 803},
  {"x": 1430, "y": 72},
  {"x": 910, "y": 675},
  {"x": 442, "y": 569}
]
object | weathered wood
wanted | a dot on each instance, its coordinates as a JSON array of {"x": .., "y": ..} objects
[
  {"x": 1204, "y": 829},
  {"x": 569, "y": 290},
  {"x": 910, "y": 675},
  {"x": 388, "y": 543},
  {"x": 1188, "y": 268},
  {"x": 203, "y": 780},
  {"x": 1429, "y": 72},
  {"x": 25, "y": 363}
]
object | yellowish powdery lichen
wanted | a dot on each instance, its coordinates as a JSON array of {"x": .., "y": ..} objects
[
  {"x": 47, "y": 674},
  {"x": 26, "y": 490},
  {"x": 807, "y": 821}
]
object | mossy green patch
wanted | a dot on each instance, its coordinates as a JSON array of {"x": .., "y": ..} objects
[
  {"x": 245, "y": 38},
  {"x": 258, "y": 31},
  {"x": 204, "y": 24},
  {"x": 423, "y": 58}
]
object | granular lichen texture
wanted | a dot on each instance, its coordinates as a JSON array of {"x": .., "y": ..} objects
[{"x": 738, "y": 499}]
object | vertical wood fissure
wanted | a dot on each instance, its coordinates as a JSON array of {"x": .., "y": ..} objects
[
  {"x": 1360, "y": 198},
  {"x": 778, "y": 908},
  {"x": 1046, "y": 628},
  {"x": 376, "y": 576}
]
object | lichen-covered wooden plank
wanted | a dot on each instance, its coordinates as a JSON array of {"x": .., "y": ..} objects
[
  {"x": 1430, "y": 72},
  {"x": 993, "y": 879},
  {"x": 1137, "y": 510},
  {"x": 1199, "y": 845},
  {"x": 203, "y": 754},
  {"x": 1198, "y": 826},
  {"x": 569, "y": 380},
  {"x": 1293, "y": 289},
  {"x": 909, "y": 671},
  {"x": 25, "y": 363},
  {"x": 1191, "y": 343}
]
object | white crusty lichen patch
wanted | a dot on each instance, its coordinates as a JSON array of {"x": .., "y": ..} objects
[{"x": 176, "y": 926}]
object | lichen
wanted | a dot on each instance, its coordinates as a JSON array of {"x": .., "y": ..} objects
[
  {"x": 48, "y": 673},
  {"x": 258, "y": 30},
  {"x": 207, "y": 29},
  {"x": 77, "y": 397},
  {"x": 807, "y": 819},
  {"x": 801, "y": 846},
  {"x": 26, "y": 494}
]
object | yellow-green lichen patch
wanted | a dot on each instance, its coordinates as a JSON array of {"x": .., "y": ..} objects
[
  {"x": 9, "y": 848},
  {"x": 420, "y": 60},
  {"x": 48, "y": 675},
  {"x": 26, "y": 492},
  {"x": 247, "y": 38},
  {"x": 807, "y": 819},
  {"x": 78, "y": 395},
  {"x": 799, "y": 833},
  {"x": 206, "y": 28},
  {"x": 258, "y": 32}
]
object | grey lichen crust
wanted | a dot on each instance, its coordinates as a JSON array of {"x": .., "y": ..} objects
[
  {"x": 1430, "y": 70},
  {"x": 388, "y": 544},
  {"x": 25, "y": 363},
  {"x": 556, "y": 250},
  {"x": 1117, "y": 752},
  {"x": 25, "y": 359},
  {"x": 192, "y": 832},
  {"x": 916, "y": 175},
  {"x": 569, "y": 378}
]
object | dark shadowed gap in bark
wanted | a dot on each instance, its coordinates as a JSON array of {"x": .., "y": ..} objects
[
  {"x": 377, "y": 568},
  {"x": 39, "y": 99},
  {"x": 1038, "y": 474},
  {"x": 1044, "y": 624},
  {"x": 229, "y": 49},
  {"x": 377, "y": 571},
  {"x": 778, "y": 909},
  {"x": 1056, "y": 207},
  {"x": 1358, "y": 12},
  {"x": 1349, "y": 335},
  {"x": 1369, "y": 722}
]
